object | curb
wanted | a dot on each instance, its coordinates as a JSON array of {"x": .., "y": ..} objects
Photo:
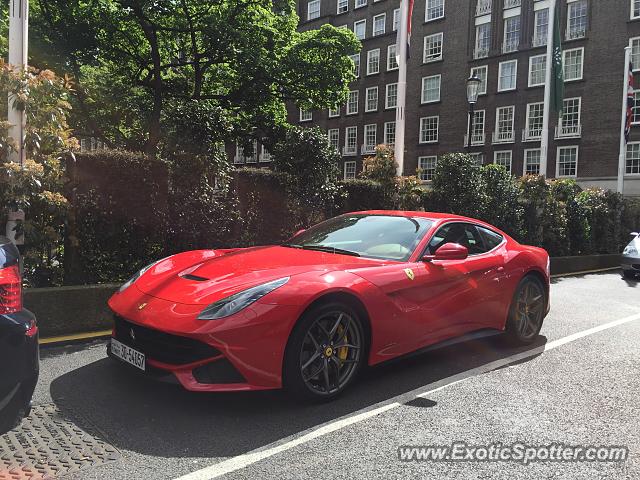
[
  {"x": 585, "y": 272},
  {"x": 77, "y": 337}
]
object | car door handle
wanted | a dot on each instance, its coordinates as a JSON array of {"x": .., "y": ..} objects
[{"x": 500, "y": 269}]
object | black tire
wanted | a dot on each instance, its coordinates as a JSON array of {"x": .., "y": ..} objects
[
  {"x": 527, "y": 311},
  {"x": 325, "y": 352},
  {"x": 629, "y": 274},
  {"x": 13, "y": 413}
]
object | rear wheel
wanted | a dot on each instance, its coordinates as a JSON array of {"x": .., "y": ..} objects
[
  {"x": 527, "y": 311},
  {"x": 325, "y": 352}
]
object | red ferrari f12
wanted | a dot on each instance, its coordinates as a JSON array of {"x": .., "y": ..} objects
[{"x": 307, "y": 315}]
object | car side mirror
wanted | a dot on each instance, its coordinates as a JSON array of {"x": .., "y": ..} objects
[
  {"x": 298, "y": 232},
  {"x": 634, "y": 234},
  {"x": 448, "y": 251}
]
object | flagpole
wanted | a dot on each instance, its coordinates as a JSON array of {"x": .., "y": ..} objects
[
  {"x": 401, "y": 52},
  {"x": 544, "y": 141},
  {"x": 623, "y": 122}
]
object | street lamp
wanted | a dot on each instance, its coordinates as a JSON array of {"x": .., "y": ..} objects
[{"x": 473, "y": 87}]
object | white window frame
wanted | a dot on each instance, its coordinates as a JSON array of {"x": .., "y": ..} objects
[
  {"x": 429, "y": 58},
  {"x": 337, "y": 142},
  {"x": 512, "y": 129},
  {"x": 366, "y": 99},
  {"x": 482, "y": 51},
  {"x": 360, "y": 4},
  {"x": 353, "y": 94},
  {"x": 367, "y": 131},
  {"x": 498, "y": 152},
  {"x": 428, "y": 6},
  {"x": 540, "y": 39},
  {"x": 422, "y": 91},
  {"x": 423, "y": 120},
  {"x": 391, "y": 58},
  {"x": 631, "y": 14},
  {"x": 485, "y": 82},
  {"x": 571, "y": 4},
  {"x": 309, "y": 17},
  {"x": 362, "y": 22},
  {"x": 527, "y": 137},
  {"x": 349, "y": 163},
  {"x": 334, "y": 112},
  {"x": 626, "y": 161},
  {"x": 515, "y": 75},
  {"x": 387, "y": 87},
  {"x": 342, "y": 7},
  {"x": 561, "y": 120},
  {"x": 356, "y": 64},
  {"x": 635, "y": 111},
  {"x": 424, "y": 159},
  {"x": 564, "y": 63},
  {"x": 505, "y": 32},
  {"x": 384, "y": 24},
  {"x": 529, "y": 75},
  {"x": 396, "y": 20},
  {"x": 347, "y": 138},
  {"x": 478, "y": 131},
  {"x": 524, "y": 162},
  {"x": 387, "y": 132},
  {"x": 304, "y": 117},
  {"x": 563, "y": 147},
  {"x": 370, "y": 57}
]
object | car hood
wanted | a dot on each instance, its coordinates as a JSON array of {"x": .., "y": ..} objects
[{"x": 205, "y": 276}]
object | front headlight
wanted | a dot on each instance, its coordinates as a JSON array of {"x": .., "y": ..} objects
[
  {"x": 630, "y": 250},
  {"x": 138, "y": 274},
  {"x": 236, "y": 302}
]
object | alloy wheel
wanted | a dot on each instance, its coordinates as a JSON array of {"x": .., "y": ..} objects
[{"x": 529, "y": 309}]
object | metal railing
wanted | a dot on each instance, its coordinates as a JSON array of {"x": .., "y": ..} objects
[
  {"x": 367, "y": 149},
  {"x": 483, "y": 7},
  {"x": 480, "y": 53},
  {"x": 504, "y": 137},
  {"x": 576, "y": 32},
  {"x": 476, "y": 139},
  {"x": 510, "y": 46},
  {"x": 531, "y": 134},
  {"x": 539, "y": 41},
  {"x": 512, "y": 3},
  {"x": 349, "y": 150},
  {"x": 569, "y": 131}
]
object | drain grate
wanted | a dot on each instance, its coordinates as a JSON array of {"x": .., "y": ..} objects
[{"x": 48, "y": 445}]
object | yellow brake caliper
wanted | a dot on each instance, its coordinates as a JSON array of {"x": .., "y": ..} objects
[{"x": 342, "y": 352}]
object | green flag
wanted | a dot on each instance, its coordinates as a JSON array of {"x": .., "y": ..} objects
[{"x": 557, "y": 73}]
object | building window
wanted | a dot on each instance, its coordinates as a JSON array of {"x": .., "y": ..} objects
[
  {"x": 334, "y": 112},
  {"x": 306, "y": 115},
  {"x": 427, "y": 167},
  {"x": 343, "y": 6},
  {"x": 633, "y": 159},
  {"x": 635, "y": 53},
  {"x": 429, "y": 129},
  {"x": 392, "y": 61},
  {"x": 350, "y": 170},
  {"x": 537, "y": 70},
  {"x": 350, "y": 141},
  {"x": 532, "y": 161},
  {"x": 435, "y": 10},
  {"x": 432, "y": 48},
  {"x": 635, "y": 111},
  {"x": 431, "y": 89},
  {"x": 372, "y": 99},
  {"x": 481, "y": 73},
  {"x": 504, "y": 125},
  {"x": 379, "y": 24},
  {"x": 391, "y": 96},
  {"x": 356, "y": 64},
  {"x": 361, "y": 3},
  {"x": 483, "y": 40},
  {"x": 533, "y": 128},
  {"x": 334, "y": 138},
  {"x": 396, "y": 19},
  {"x": 503, "y": 158},
  {"x": 370, "y": 133},
  {"x": 507, "y": 76},
  {"x": 313, "y": 9},
  {"x": 352, "y": 102},
  {"x": 567, "y": 162},
  {"x": 572, "y": 61},
  {"x": 477, "y": 131},
  {"x": 511, "y": 34},
  {"x": 569, "y": 123},
  {"x": 373, "y": 61},
  {"x": 576, "y": 19},
  {"x": 360, "y": 29},
  {"x": 541, "y": 27},
  {"x": 390, "y": 133},
  {"x": 478, "y": 158},
  {"x": 635, "y": 9}
]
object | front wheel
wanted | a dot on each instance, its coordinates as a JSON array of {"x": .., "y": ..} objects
[
  {"x": 325, "y": 352},
  {"x": 629, "y": 274},
  {"x": 526, "y": 312}
]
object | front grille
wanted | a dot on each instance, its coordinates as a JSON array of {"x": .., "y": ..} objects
[
  {"x": 221, "y": 371},
  {"x": 161, "y": 346},
  {"x": 636, "y": 266}
]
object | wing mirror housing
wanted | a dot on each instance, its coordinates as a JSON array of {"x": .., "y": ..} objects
[
  {"x": 302, "y": 230},
  {"x": 448, "y": 251},
  {"x": 634, "y": 234}
]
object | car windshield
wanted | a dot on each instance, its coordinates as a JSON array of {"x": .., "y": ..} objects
[{"x": 388, "y": 237}]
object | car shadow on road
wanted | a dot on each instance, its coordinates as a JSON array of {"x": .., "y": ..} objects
[{"x": 137, "y": 414}]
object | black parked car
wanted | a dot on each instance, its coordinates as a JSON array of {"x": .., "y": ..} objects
[{"x": 19, "y": 357}]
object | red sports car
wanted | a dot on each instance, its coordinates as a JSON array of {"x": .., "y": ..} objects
[{"x": 307, "y": 315}]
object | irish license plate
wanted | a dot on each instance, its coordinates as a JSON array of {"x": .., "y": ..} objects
[{"x": 128, "y": 354}]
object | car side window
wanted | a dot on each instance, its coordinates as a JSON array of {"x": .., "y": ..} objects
[
  {"x": 491, "y": 239},
  {"x": 464, "y": 234}
]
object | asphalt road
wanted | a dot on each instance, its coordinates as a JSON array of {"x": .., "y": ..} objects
[{"x": 582, "y": 392}]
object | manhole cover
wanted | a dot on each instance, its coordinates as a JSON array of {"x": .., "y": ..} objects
[{"x": 48, "y": 445}]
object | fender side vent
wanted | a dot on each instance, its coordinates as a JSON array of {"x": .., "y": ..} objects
[{"x": 195, "y": 278}]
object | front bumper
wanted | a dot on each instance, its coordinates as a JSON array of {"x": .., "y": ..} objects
[
  {"x": 242, "y": 352},
  {"x": 630, "y": 263}
]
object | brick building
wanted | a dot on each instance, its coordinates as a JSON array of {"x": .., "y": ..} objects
[{"x": 504, "y": 42}]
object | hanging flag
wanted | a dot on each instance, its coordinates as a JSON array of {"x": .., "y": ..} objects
[
  {"x": 630, "y": 104},
  {"x": 406, "y": 31},
  {"x": 557, "y": 73}
]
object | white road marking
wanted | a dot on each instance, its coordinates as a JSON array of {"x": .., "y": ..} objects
[{"x": 242, "y": 461}]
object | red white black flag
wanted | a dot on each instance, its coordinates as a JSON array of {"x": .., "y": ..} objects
[{"x": 630, "y": 104}]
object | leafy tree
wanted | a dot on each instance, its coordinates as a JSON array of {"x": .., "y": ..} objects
[
  {"x": 501, "y": 207},
  {"x": 136, "y": 61},
  {"x": 458, "y": 186}
]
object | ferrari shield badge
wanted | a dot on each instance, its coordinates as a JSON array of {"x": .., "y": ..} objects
[
  {"x": 410, "y": 274},
  {"x": 141, "y": 306}
]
